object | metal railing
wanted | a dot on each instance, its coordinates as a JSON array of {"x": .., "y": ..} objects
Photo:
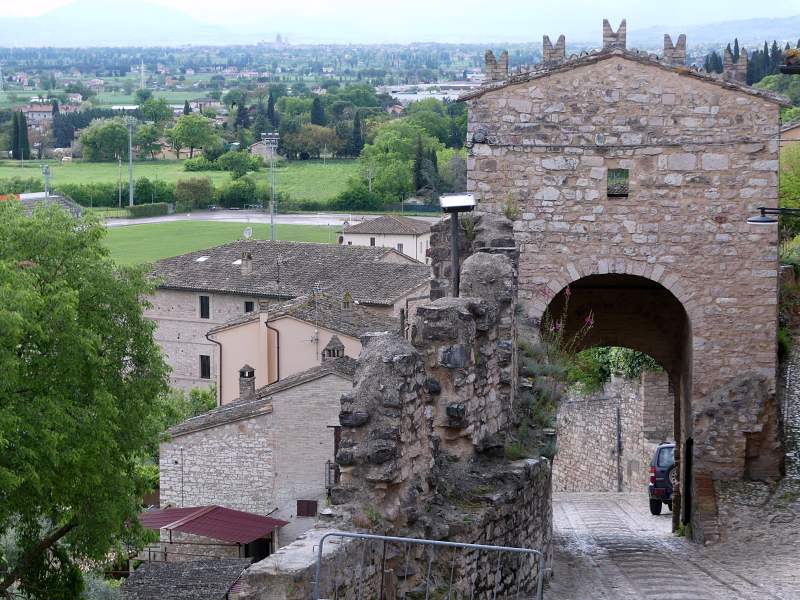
[{"x": 390, "y": 581}]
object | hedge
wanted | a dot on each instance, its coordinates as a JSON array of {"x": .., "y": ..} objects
[{"x": 149, "y": 210}]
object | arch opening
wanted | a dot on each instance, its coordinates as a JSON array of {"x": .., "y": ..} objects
[{"x": 630, "y": 311}]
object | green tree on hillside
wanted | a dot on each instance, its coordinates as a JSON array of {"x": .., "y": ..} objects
[
  {"x": 357, "y": 141},
  {"x": 187, "y": 110},
  {"x": 80, "y": 401},
  {"x": 147, "y": 140},
  {"x": 105, "y": 140},
  {"x": 193, "y": 131},
  {"x": 157, "y": 110}
]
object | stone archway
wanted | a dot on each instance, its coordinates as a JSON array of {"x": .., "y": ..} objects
[{"x": 636, "y": 312}]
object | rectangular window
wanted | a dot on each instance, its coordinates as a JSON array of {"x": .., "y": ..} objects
[
  {"x": 205, "y": 366},
  {"x": 205, "y": 307},
  {"x": 306, "y": 508},
  {"x": 371, "y": 241},
  {"x": 399, "y": 247},
  {"x": 617, "y": 182},
  {"x": 249, "y": 306}
]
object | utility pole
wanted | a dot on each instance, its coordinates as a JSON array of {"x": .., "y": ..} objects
[
  {"x": 131, "y": 123},
  {"x": 141, "y": 75},
  {"x": 46, "y": 173},
  {"x": 119, "y": 183},
  {"x": 271, "y": 142}
]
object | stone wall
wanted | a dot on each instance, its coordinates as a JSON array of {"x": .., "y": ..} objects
[{"x": 591, "y": 456}]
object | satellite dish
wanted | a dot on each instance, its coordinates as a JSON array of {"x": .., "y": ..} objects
[{"x": 248, "y": 233}]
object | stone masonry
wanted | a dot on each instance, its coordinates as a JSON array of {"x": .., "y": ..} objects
[
  {"x": 422, "y": 455},
  {"x": 697, "y": 155},
  {"x": 588, "y": 459}
]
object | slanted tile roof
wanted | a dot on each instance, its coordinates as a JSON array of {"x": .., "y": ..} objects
[
  {"x": 545, "y": 70},
  {"x": 207, "y": 579},
  {"x": 286, "y": 270},
  {"x": 239, "y": 410},
  {"x": 215, "y": 522},
  {"x": 324, "y": 310},
  {"x": 390, "y": 224}
]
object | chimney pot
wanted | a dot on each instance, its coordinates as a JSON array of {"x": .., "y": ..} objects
[
  {"x": 247, "y": 263},
  {"x": 247, "y": 383}
]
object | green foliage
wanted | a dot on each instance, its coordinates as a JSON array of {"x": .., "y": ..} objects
[
  {"x": 318, "y": 112},
  {"x": 592, "y": 368},
  {"x": 788, "y": 85},
  {"x": 19, "y": 185},
  {"x": 199, "y": 163},
  {"x": 237, "y": 193},
  {"x": 147, "y": 140},
  {"x": 197, "y": 192},
  {"x": 82, "y": 371},
  {"x": 105, "y": 140},
  {"x": 789, "y": 182},
  {"x": 784, "y": 342},
  {"x": 156, "y": 209},
  {"x": 143, "y": 95},
  {"x": 157, "y": 110},
  {"x": 193, "y": 131},
  {"x": 239, "y": 163}
]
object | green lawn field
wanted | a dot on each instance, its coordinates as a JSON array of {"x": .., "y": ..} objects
[
  {"x": 136, "y": 244},
  {"x": 312, "y": 180}
]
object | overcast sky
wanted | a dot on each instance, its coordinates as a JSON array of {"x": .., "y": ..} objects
[{"x": 448, "y": 19}]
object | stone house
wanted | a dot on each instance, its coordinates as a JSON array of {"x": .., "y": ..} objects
[
  {"x": 630, "y": 178},
  {"x": 281, "y": 340},
  {"x": 410, "y": 236},
  {"x": 202, "y": 290},
  {"x": 265, "y": 453}
]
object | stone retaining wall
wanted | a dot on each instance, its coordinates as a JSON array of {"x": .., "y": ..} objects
[{"x": 590, "y": 457}]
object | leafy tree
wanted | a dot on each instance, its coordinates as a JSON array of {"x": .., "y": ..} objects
[
  {"x": 197, "y": 192},
  {"x": 147, "y": 140},
  {"x": 79, "y": 399},
  {"x": 175, "y": 142},
  {"x": 105, "y": 140},
  {"x": 236, "y": 96},
  {"x": 156, "y": 110},
  {"x": 310, "y": 140},
  {"x": 242, "y": 117},
  {"x": 238, "y": 163},
  {"x": 187, "y": 110},
  {"x": 193, "y": 131},
  {"x": 419, "y": 158},
  {"x": 318, "y": 112},
  {"x": 143, "y": 95},
  {"x": 79, "y": 88}
]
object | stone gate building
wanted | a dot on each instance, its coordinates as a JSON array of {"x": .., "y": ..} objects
[{"x": 630, "y": 178}]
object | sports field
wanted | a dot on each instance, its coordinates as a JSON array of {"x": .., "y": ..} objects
[{"x": 136, "y": 244}]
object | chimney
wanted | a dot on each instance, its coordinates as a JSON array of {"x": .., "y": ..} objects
[
  {"x": 611, "y": 40},
  {"x": 246, "y": 265},
  {"x": 247, "y": 383}
]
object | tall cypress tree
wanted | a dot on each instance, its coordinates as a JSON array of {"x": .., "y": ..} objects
[
  {"x": 187, "y": 110},
  {"x": 271, "y": 110},
  {"x": 776, "y": 57},
  {"x": 56, "y": 109},
  {"x": 317, "y": 112},
  {"x": 15, "y": 136},
  {"x": 24, "y": 142},
  {"x": 419, "y": 179},
  {"x": 735, "y": 49},
  {"x": 357, "y": 141}
]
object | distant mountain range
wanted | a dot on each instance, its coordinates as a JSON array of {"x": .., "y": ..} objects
[{"x": 103, "y": 23}]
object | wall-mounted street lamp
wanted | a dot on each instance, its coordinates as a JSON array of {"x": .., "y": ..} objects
[
  {"x": 454, "y": 204},
  {"x": 767, "y": 216}
]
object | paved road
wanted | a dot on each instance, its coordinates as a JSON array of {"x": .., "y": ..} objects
[
  {"x": 248, "y": 216},
  {"x": 609, "y": 547}
]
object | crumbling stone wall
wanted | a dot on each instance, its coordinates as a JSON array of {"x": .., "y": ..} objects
[{"x": 590, "y": 457}]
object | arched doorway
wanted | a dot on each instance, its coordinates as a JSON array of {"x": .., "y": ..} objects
[{"x": 635, "y": 312}]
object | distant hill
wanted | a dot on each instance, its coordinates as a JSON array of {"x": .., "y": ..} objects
[
  {"x": 750, "y": 32},
  {"x": 100, "y": 23}
]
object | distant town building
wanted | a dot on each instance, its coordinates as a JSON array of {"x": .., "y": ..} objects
[{"x": 410, "y": 236}]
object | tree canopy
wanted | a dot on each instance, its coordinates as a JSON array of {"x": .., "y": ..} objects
[{"x": 80, "y": 399}]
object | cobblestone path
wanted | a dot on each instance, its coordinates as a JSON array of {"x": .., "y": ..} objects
[{"x": 609, "y": 547}]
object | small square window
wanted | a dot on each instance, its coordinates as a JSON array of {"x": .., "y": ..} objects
[
  {"x": 249, "y": 306},
  {"x": 400, "y": 248},
  {"x": 205, "y": 307},
  {"x": 372, "y": 241},
  {"x": 617, "y": 183},
  {"x": 205, "y": 366},
  {"x": 306, "y": 508}
]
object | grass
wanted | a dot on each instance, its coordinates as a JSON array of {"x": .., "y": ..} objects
[
  {"x": 136, "y": 244},
  {"x": 306, "y": 180}
]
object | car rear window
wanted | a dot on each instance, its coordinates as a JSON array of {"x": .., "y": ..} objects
[{"x": 666, "y": 457}]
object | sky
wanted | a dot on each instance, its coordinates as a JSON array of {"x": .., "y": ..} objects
[{"x": 449, "y": 19}]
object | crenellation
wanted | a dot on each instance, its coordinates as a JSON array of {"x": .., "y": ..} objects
[
  {"x": 675, "y": 56},
  {"x": 554, "y": 54},
  {"x": 614, "y": 40}
]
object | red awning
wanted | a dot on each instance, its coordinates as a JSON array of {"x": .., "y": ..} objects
[{"x": 213, "y": 522}]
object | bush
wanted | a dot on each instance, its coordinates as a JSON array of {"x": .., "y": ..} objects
[
  {"x": 20, "y": 185},
  {"x": 237, "y": 193},
  {"x": 357, "y": 197},
  {"x": 197, "y": 192},
  {"x": 149, "y": 210},
  {"x": 239, "y": 163},
  {"x": 199, "y": 163},
  {"x": 93, "y": 194}
]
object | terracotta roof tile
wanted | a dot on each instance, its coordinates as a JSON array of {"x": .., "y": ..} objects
[
  {"x": 390, "y": 224},
  {"x": 209, "y": 579},
  {"x": 286, "y": 270}
]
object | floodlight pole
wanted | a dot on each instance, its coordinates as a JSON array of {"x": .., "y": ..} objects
[{"x": 454, "y": 247}]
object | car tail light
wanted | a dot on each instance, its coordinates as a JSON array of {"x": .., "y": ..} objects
[{"x": 653, "y": 475}]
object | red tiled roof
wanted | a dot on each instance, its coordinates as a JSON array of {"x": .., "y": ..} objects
[{"x": 215, "y": 522}]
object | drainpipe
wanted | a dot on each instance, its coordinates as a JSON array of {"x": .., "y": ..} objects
[
  {"x": 219, "y": 371},
  {"x": 277, "y": 351},
  {"x": 619, "y": 452}
]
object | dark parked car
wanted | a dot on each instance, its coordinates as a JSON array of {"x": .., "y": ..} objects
[{"x": 663, "y": 477}]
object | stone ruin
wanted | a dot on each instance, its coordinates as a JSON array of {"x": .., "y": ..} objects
[
  {"x": 496, "y": 70},
  {"x": 422, "y": 453}
]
